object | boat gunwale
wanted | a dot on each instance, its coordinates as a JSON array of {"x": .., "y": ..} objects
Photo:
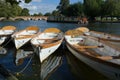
[
  {"x": 20, "y": 31},
  {"x": 93, "y": 58},
  {"x": 105, "y": 42},
  {"x": 105, "y": 33},
  {"x": 49, "y": 44}
]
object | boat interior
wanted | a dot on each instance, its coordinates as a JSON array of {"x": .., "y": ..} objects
[
  {"x": 103, "y": 35},
  {"x": 98, "y": 48}
]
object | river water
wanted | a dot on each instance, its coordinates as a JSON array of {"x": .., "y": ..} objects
[{"x": 64, "y": 65}]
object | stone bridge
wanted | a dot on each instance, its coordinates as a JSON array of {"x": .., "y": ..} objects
[{"x": 26, "y": 18}]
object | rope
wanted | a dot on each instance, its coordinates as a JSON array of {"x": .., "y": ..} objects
[{"x": 25, "y": 66}]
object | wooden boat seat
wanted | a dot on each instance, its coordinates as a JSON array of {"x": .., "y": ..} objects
[
  {"x": 93, "y": 53},
  {"x": 109, "y": 57},
  {"x": 84, "y": 46},
  {"x": 49, "y": 39},
  {"x": 23, "y": 37}
]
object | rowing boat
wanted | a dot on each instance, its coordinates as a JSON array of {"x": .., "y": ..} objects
[
  {"x": 101, "y": 35},
  {"x": 109, "y": 38},
  {"x": 5, "y": 33},
  {"x": 47, "y": 42},
  {"x": 24, "y": 36},
  {"x": 105, "y": 36},
  {"x": 96, "y": 53}
]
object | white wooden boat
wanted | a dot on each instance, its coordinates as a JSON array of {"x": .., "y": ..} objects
[
  {"x": 98, "y": 54},
  {"x": 110, "y": 38},
  {"x": 47, "y": 42},
  {"x": 105, "y": 36},
  {"x": 100, "y": 35},
  {"x": 5, "y": 33},
  {"x": 22, "y": 37}
]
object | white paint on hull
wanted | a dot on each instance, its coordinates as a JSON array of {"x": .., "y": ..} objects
[
  {"x": 108, "y": 71},
  {"x": 46, "y": 52},
  {"x": 6, "y": 32},
  {"x": 19, "y": 43}
]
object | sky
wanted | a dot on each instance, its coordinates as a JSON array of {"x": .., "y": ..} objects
[{"x": 43, "y": 6}]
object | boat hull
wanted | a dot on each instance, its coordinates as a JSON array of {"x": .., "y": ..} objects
[
  {"x": 109, "y": 71},
  {"x": 46, "y": 52},
  {"x": 21, "y": 42}
]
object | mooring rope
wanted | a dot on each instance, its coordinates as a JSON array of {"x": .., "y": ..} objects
[
  {"x": 17, "y": 73},
  {"x": 25, "y": 66}
]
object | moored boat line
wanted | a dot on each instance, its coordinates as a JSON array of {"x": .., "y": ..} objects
[
  {"x": 98, "y": 54},
  {"x": 89, "y": 43}
]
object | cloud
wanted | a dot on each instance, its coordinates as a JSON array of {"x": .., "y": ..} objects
[
  {"x": 36, "y": 8},
  {"x": 36, "y": 0}
]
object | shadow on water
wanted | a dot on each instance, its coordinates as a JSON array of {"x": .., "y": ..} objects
[
  {"x": 80, "y": 70},
  {"x": 32, "y": 71}
]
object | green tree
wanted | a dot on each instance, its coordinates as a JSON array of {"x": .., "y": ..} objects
[
  {"x": 25, "y": 12},
  {"x": 63, "y": 5},
  {"x": 75, "y": 9},
  {"x": 117, "y": 8},
  {"x": 39, "y": 14},
  {"x": 47, "y": 14},
  {"x": 17, "y": 1},
  {"x": 16, "y": 10},
  {"x": 92, "y": 8},
  {"x": 111, "y": 8},
  {"x": 55, "y": 13},
  {"x": 7, "y": 10}
]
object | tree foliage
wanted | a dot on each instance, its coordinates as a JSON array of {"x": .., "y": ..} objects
[
  {"x": 92, "y": 8},
  {"x": 75, "y": 9},
  {"x": 25, "y": 12},
  {"x": 55, "y": 13},
  {"x": 47, "y": 14},
  {"x": 39, "y": 14},
  {"x": 17, "y": 1},
  {"x": 111, "y": 8},
  {"x": 8, "y": 10},
  {"x": 63, "y": 5}
]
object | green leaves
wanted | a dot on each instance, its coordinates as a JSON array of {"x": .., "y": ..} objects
[
  {"x": 25, "y": 12},
  {"x": 27, "y": 1},
  {"x": 63, "y": 5},
  {"x": 75, "y": 9},
  {"x": 92, "y": 7}
]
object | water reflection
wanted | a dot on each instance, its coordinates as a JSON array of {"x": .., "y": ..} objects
[
  {"x": 30, "y": 67},
  {"x": 50, "y": 65},
  {"x": 81, "y": 71},
  {"x": 67, "y": 70}
]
